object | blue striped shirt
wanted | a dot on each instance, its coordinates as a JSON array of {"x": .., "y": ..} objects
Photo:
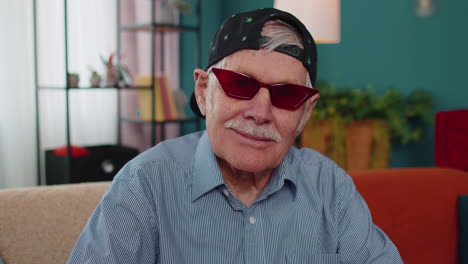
[{"x": 172, "y": 205}]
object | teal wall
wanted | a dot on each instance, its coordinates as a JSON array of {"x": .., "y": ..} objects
[
  {"x": 385, "y": 44},
  {"x": 211, "y": 18}
]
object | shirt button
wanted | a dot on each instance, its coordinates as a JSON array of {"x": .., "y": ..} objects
[
  {"x": 252, "y": 220},
  {"x": 226, "y": 192}
]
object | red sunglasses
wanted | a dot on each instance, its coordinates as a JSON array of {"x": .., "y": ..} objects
[{"x": 282, "y": 95}]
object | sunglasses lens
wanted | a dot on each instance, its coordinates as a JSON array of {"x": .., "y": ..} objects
[
  {"x": 236, "y": 85},
  {"x": 289, "y": 96},
  {"x": 240, "y": 86}
]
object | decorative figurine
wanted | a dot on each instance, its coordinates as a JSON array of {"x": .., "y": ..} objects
[
  {"x": 95, "y": 79},
  {"x": 73, "y": 80}
]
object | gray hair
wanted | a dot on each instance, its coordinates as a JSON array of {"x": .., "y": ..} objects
[{"x": 279, "y": 33}]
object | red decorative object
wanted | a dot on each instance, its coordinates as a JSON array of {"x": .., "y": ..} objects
[
  {"x": 451, "y": 139},
  {"x": 76, "y": 151}
]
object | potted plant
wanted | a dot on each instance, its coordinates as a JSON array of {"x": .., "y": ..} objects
[
  {"x": 73, "y": 79},
  {"x": 355, "y": 126}
]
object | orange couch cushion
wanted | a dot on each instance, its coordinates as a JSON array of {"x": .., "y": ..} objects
[{"x": 417, "y": 208}]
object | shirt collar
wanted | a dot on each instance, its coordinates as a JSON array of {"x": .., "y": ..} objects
[
  {"x": 291, "y": 163},
  {"x": 207, "y": 174},
  {"x": 283, "y": 175}
]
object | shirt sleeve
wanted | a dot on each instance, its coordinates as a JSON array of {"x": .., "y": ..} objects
[
  {"x": 360, "y": 241},
  {"x": 122, "y": 228}
]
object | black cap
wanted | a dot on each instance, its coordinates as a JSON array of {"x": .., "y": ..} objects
[{"x": 243, "y": 31}]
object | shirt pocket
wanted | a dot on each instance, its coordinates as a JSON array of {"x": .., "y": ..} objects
[{"x": 313, "y": 259}]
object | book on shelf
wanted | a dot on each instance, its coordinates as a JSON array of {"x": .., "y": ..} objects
[{"x": 165, "y": 108}]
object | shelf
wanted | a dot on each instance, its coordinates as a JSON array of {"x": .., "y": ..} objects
[
  {"x": 131, "y": 87},
  {"x": 158, "y": 131},
  {"x": 72, "y": 88},
  {"x": 158, "y": 27},
  {"x": 139, "y": 121}
]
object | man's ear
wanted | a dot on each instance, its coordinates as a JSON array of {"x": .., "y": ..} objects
[
  {"x": 313, "y": 102},
  {"x": 306, "y": 115},
  {"x": 201, "y": 86}
]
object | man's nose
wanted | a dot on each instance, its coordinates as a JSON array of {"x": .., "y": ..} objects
[{"x": 260, "y": 108}]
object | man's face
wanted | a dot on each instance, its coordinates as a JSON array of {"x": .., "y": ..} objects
[{"x": 253, "y": 135}]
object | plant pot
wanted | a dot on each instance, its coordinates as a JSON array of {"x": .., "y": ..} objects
[
  {"x": 356, "y": 146},
  {"x": 359, "y": 145},
  {"x": 73, "y": 80},
  {"x": 367, "y": 145},
  {"x": 326, "y": 137},
  {"x": 381, "y": 145}
]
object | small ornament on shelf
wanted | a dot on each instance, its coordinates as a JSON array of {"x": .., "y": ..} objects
[
  {"x": 73, "y": 79},
  {"x": 111, "y": 79},
  {"x": 166, "y": 14},
  {"x": 116, "y": 76},
  {"x": 95, "y": 79},
  {"x": 168, "y": 9},
  {"x": 126, "y": 78}
]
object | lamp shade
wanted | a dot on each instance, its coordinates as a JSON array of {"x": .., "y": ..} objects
[{"x": 321, "y": 17}]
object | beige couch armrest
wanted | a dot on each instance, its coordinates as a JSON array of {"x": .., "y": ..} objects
[{"x": 42, "y": 224}]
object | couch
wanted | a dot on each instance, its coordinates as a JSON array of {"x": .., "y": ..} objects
[{"x": 416, "y": 207}]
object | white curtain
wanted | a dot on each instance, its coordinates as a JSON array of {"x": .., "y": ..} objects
[
  {"x": 91, "y": 34},
  {"x": 17, "y": 125}
]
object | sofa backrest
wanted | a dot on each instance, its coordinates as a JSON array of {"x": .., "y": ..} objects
[
  {"x": 42, "y": 224},
  {"x": 417, "y": 209}
]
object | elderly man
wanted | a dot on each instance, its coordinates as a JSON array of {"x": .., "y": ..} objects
[{"x": 239, "y": 192}]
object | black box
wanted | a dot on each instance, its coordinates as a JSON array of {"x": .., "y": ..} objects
[{"x": 102, "y": 164}]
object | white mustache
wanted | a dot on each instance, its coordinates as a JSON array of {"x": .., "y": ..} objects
[{"x": 247, "y": 127}]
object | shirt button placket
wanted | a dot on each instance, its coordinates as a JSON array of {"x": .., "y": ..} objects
[{"x": 254, "y": 241}]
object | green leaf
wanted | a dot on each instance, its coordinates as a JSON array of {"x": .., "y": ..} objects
[{"x": 408, "y": 117}]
